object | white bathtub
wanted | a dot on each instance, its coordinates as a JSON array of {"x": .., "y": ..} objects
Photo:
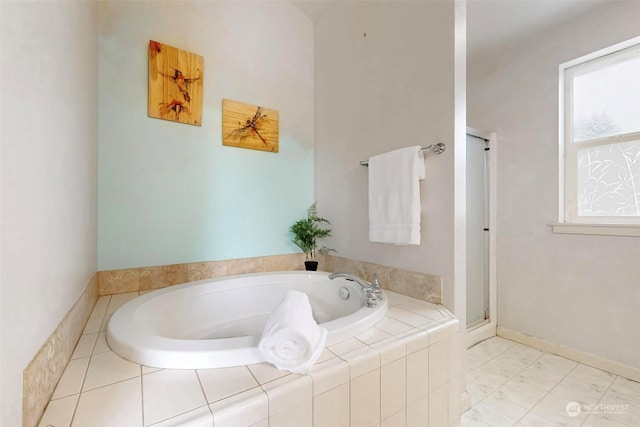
[{"x": 217, "y": 323}]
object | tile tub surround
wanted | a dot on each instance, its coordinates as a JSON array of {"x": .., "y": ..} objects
[
  {"x": 148, "y": 278},
  {"x": 418, "y": 285},
  {"x": 41, "y": 375},
  {"x": 403, "y": 371}
]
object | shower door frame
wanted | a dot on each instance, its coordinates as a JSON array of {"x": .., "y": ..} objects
[{"x": 486, "y": 330}]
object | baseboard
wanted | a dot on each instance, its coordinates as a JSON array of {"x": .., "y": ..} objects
[
  {"x": 608, "y": 365},
  {"x": 40, "y": 377},
  {"x": 481, "y": 333}
]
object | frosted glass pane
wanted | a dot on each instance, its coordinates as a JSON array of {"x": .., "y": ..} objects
[
  {"x": 606, "y": 101},
  {"x": 609, "y": 180}
]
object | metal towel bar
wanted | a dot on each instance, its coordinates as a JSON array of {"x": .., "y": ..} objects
[{"x": 436, "y": 148}]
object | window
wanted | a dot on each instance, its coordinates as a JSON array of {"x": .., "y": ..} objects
[{"x": 600, "y": 137}]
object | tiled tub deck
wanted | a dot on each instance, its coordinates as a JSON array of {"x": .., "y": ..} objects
[{"x": 402, "y": 372}]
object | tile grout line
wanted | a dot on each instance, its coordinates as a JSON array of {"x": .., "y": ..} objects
[
  {"x": 406, "y": 384},
  {"x": 482, "y": 364},
  {"x": 254, "y": 377},
  {"x": 604, "y": 393},
  {"x": 110, "y": 384},
  {"x": 493, "y": 391},
  {"x": 142, "y": 395},
  {"x": 581, "y": 422},
  {"x": 75, "y": 407},
  {"x": 529, "y": 411},
  {"x": 380, "y": 388},
  {"x": 489, "y": 360},
  {"x": 268, "y": 403},
  {"x": 548, "y": 392},
  {"x": 181, "y": 413},
  {"x": 107, "y": 385},
  {"x": 313, "y": 399},
  {"x": 502, "y": 385},
  {"x": 349, "y": 382},
  {"x": 609, "y": 386}
]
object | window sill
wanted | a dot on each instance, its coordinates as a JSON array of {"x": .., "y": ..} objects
[{"x": 629, "y": 230}]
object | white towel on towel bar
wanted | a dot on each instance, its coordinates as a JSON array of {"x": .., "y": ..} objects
[
  {"x": 291, "y": 339},
  {"x": 394, "y": 196}
]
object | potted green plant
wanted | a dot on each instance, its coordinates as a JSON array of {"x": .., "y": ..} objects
[{"x": 306, "y": 233}]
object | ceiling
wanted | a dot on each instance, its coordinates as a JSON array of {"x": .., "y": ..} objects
[
  {"x": 314, "y": 9},
  {"x": 495, "y": 24}
]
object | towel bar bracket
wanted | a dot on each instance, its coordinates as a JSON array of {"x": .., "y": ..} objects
[{"x": 438, "y": 148}]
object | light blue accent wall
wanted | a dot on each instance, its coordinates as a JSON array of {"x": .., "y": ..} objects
[{"x": 172, "y": 193}]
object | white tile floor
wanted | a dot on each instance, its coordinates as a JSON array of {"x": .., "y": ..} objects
[{"x": 514, "y": 385}]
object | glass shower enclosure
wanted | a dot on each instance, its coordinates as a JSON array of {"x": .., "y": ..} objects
[{"x": 480, "y": 277}]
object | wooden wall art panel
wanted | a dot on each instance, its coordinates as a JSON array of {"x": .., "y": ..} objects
[
  {"x": 175, "y": 84},
  {"x": 249, "y": 126}
]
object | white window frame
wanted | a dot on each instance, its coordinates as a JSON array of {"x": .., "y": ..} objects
[{"x": 568, "y": 219}]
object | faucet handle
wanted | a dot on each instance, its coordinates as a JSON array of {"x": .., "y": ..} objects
[
  {"x": 376, "y": 288},
  {"x": 371, "y": 298},
  {"x": 375, "y": 283}
]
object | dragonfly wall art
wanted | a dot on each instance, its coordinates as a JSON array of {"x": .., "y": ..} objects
[
  {"x": 175, "y": 84},
  {"x": 249, "y": 126}
]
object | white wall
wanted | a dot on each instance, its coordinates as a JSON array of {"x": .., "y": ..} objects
[
  {"x": 389, "y": 89},
  {"x": 172, "y": 193},
  {"x": 49, "y": 167},
  {"x": 574, "y": 290}
]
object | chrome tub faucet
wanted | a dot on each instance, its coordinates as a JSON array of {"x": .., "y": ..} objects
[{"x": 373, "y": 291}]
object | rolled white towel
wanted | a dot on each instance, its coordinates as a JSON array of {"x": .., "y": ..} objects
[{"x": 291, "y": 339}]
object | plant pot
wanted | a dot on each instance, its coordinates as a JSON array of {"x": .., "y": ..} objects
[{"x": 311, "y": 265}]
